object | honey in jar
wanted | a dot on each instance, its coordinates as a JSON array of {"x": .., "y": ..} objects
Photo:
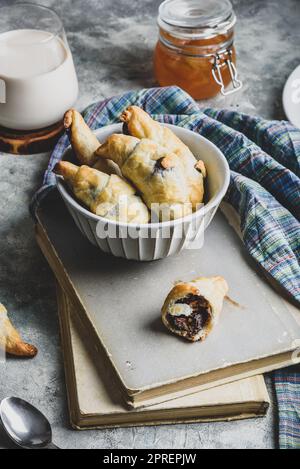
[{"x": 196, "y": 49}]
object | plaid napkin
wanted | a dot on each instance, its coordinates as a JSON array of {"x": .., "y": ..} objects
[{"x": 264, "y": 158}]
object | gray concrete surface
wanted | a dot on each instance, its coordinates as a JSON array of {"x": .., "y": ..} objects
[{"x": 112, "y": 44}]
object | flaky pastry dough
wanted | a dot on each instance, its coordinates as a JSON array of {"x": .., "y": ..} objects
[
  {"x": 139, "y": 124},
  {"x": 84, "y": 143},
  {"x": 11, "y": 341},
  {"x": 110, "y": 197},
  {"x": 154, "y": 171}
]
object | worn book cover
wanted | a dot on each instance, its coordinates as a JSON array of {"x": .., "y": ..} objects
[
  {"x": 95, "y": 399},
  {"x": 119, "y": 303}
]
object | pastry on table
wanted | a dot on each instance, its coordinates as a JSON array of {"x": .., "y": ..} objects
[
  {"x": 10, "y": 340},
  {"x": 84, "y": 142},
  {"x": 139, "y": 124},
  {"x": 107, "y": 196},
  {"x": 192, "y": 309},
  {"x": 154, "y": 171}
]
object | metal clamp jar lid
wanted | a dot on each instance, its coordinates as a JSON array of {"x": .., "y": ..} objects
[{"x": 197, "y": 32}]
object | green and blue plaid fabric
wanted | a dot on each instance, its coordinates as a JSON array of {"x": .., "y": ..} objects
[{"x": 264, "y": 158}]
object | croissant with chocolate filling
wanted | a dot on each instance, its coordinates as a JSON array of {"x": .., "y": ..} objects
[
  {"x": 84, "y": 142},
  {"x": 154, "y": 171},
  {"x": 138, "y": 123},
  {"x": 10, "y": 340},
  {"x": 107, "y": 196},
  {"x": 192, "y": 309}
]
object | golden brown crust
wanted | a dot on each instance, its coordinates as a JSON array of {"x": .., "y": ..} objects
[
  {"x": 126, "y": 116},
  {"x": 107, "y": 196},
  {"x": 154, "y": 171},
  {"x": 141, "y": 125},
  {"x": 200, "y": 166},
  {"x": 11, "y": 341},
  {"x": 182, "y": 289},
  {"x": 117, "y": 148},
  {"x": 168, "y": 162},
  {"x": 84, "y": 142},
  {"x": 164, "y": 170},
  {"x": 67, "y": 170},
  {"x": 20, "y": 349},
  {"x": 107, "y": 167},
  {"x": 68, "y": 119}
]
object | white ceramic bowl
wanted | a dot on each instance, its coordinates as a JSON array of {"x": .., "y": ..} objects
[
  {"x": 291, "y": 98},
  {"x": 157, "y": 240}
]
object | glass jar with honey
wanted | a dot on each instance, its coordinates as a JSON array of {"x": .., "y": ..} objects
[{"x": 196, "y": 49}]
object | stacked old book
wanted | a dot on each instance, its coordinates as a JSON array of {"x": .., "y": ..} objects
[{"x": 123, "y": 368}]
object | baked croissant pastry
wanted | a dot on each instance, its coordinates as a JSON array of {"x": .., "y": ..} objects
[
  {"x": 10, "y": 340},
  {"x": 138, "y": 123},
  {"x": 107, "y": 196},
  {"x": 192, "y": 309},
  {"x": 84, "y": 142},
  {"x": 154, "y": 171}
]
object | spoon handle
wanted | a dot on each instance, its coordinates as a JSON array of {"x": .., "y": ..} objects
[{"x": 52, "y": 446}]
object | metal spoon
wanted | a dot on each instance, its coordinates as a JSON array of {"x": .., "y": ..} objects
[{"x": 25, "y": 425}]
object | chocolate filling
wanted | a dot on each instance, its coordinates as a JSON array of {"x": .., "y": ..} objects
[
  {"x": 159, "y": 168},
  {"x": 126, "y": 129},
  {"x": 197, "y": 320}
]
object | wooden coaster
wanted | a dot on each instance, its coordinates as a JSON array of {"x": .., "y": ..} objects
[{"x": 29, "y": 143}]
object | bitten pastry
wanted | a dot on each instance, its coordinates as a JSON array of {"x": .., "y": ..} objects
[
  {"x": 192, "y": 309},
  {"x": 154, "y": 171},
  {"x": 84, "y": 142},
  {"x": 110, "y": 197},
  {"x": 10, "y": 340},
  {"x": 139, "y": 124}
]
